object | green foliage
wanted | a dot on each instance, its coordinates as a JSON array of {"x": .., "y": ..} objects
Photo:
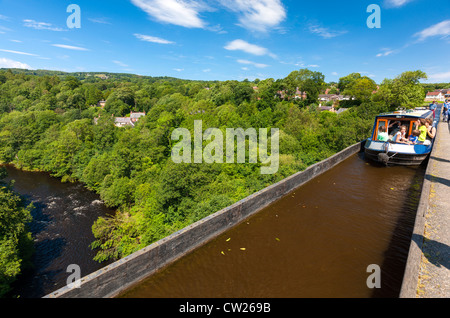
[
  {"x": 15, "y": 240},
  {"x": 47, "y": 123},
  {"x": 306, "y": 81},
  {"x": 404, "y": 91}
]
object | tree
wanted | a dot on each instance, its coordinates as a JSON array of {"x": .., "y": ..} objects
[
  {"x": 361, "y": 89},
  {"x": 306, "y": 81},
  {"x": 15, "y": 240},
  {"x": 93, "y": 95},
  {"x": 347, "y": 81},
  {"x": 405, "y": 91}
]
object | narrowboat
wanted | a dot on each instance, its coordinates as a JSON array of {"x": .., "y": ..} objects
[{"x": 386, "y": 150}]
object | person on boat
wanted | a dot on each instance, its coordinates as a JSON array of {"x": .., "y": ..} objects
[
  {"x": 414, "y": 138},
  {"x": 423, "y": 131},
  {"x": 396, "y": 124},
  {"x": 400, "y": 137},
  {"x": 416, "y": 124},
  {"x": 431, "y": 131},
  {"x": 393, "y": 128},
  {"x": 382, "y": 134}
]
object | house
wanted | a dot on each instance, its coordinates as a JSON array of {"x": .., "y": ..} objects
[
  {"x": 341, "y": 110},
  {"x": 332, "y": 97},
  {"x": 326, "y": 108},
  {"x": 101, "y": 103},
  {"x": 326, "y": 97},
  {"x": 299, "y": 94},
  {"x": 435, "y": 96},
  {"x": 135, "y": 116},
  {"x": 128, "y": 121},
  {"x": 125, "y": 121},
  {"x": 446, "y": 93}
]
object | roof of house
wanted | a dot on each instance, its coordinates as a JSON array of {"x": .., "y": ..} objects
[
  {"x": 123, "y": 120},
  {"x": 325, "y": 107},
  {"x": 433, "y": 93},
  {"x": 136, "y": 115},
  {"x": 341, "y": 110}
]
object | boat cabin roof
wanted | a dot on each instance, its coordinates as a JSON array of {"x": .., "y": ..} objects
[{"x": 412, "y": 113}]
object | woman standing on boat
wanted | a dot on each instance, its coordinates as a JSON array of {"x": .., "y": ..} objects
[
  {"x": 431, "y": 131},
  {"x": 423, "y": 130}
]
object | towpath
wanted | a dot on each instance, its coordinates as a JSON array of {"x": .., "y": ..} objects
[{"x": 434, "y": 272}]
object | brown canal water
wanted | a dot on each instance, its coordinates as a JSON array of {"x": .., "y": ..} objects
[
  {"x": 318, "y": 241},
  {"x": 61, "y": 228}
]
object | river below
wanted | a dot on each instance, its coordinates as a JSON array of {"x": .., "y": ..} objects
[{"x": 61, "y": 228}]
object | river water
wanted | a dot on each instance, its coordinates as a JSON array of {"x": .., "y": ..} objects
[
  {"x": 61, "y": 228},
  {"x": 315, "y": 242}
]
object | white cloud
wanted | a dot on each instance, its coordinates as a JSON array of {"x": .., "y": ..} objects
[
  {"x": 313, "y": 65},
  {"x": 99, "y": 20},
  {"x": 7, "y": 63},
  {"x": 258, "y": 65},
  {"x": 120, "y": 63},
  {"x": 184, "y": 13},
  {"x": 257, "y": 15},
  {"x": 385, "y": 52},
  {"x": 335, "y": 73},
  {"x": 396, "y": 3},
  {"x": 325, "y": 32},
  {"x": 70, "y": 47},
  {"x": 179, "y": 69},
  {"x": 439, "y": 77},
  {"x": 153, "y": 39},
  {"x": 3, "y": 29},
  {"x": 439, "y": 29},
  {"x": 18, "y": 52},
  {"x": 40, "y": 25},
  {"x": 241, "y": 45}
]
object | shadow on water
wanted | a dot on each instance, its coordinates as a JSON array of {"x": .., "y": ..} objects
[
  {"x": 39, "y": 279},
  {"x": 395, "y": 257},
  {"x": 41, "y": 220}
]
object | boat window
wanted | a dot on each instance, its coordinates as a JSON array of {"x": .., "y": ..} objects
[
  {"x": 380, "y": 123},
  {"x": 394, "y": 126}
]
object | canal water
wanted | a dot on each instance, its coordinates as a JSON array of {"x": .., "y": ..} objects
[
  {"x": 61, "y": 228},
  {"x": 318, "y": 241}
]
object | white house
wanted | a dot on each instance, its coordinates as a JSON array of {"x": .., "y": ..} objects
[{"x": 435, "y": 96}]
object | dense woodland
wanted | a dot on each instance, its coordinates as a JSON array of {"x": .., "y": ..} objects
[
  {"x": 16, "y": 244},
  {"x": 47, "y": 124}
]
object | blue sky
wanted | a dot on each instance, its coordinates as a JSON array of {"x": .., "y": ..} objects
[{"x": 228, "y": 39}]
